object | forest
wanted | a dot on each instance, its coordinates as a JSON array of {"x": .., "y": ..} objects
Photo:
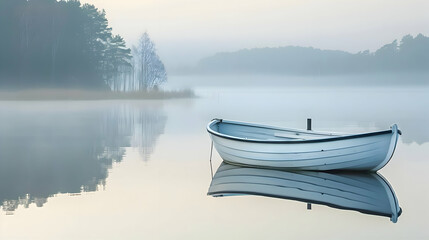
[
  {"x": 66, "y": 44},
  {"x": 410, "y": 54}
]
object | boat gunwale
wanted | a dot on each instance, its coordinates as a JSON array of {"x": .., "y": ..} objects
[{"x": 327, "y": 139}]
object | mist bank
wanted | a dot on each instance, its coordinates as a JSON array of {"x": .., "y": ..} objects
[
  {"x": 410, "y": 54},
  {"x": 80, "y": 94}
]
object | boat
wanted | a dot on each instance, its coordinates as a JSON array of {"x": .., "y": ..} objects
[
  {"x": 250, "y": 144},
  {"x": 365, "y": 192}
]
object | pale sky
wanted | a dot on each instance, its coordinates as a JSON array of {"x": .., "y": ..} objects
[{"x": 187, "y": 30}]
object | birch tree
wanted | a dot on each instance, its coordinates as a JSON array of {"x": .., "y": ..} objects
[{"x": 150, "y": 72}]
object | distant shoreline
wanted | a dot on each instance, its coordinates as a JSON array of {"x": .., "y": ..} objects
[
  {"x": 410, "y": 54},
  {"x": 76, "y": 94}
]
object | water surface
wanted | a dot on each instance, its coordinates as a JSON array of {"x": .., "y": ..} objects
[{"x": 140, "y": 169}]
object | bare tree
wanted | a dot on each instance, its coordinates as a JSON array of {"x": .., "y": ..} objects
[{"x": 150, "y": 72}]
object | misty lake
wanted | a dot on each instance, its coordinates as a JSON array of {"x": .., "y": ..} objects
[{"x": 140, "y": 169}]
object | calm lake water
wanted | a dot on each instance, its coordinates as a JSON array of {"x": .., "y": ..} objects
[{"x": 140, "y": 169}]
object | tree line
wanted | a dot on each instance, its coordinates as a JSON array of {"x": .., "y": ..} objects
[
  {"x": 50, "y": 43},
  {"x": 410, "y": 54}
]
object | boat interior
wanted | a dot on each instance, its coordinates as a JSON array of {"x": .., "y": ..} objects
[{"x": 265, "y": 133}]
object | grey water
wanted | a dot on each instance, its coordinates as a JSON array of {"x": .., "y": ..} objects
[{"x": 140, "y": 169}]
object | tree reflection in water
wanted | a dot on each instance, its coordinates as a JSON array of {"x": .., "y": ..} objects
[{"x": 46, "y": 150}]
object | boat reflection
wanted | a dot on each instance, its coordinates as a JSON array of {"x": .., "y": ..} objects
[{"x": 367, "y": 193}]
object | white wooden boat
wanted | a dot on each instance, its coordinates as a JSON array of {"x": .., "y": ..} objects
[
  {"x": 365, "y": 192},
  {"x": 274, "y": 147}
]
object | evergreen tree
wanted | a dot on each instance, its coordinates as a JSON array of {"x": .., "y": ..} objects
[
  {"x": 118, "y": 64},
  {"x": 49, "y": 43}
]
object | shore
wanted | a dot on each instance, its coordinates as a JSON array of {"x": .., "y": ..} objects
[{"x": 74, "y": 94}]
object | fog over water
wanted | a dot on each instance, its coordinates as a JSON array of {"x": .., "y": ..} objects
[{"x": 88, "y": 164}]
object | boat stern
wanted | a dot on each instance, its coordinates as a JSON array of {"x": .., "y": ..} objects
[{"x": 393, "y": 141}]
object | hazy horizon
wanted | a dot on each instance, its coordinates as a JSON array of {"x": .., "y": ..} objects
[{"x": 190, "y": 30}]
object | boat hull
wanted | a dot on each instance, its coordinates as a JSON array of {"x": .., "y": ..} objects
[{"x": 365, "y": 153}]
